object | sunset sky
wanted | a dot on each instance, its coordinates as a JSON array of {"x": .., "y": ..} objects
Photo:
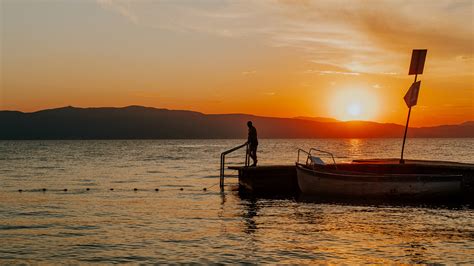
[{"x": 341, "y": 59}]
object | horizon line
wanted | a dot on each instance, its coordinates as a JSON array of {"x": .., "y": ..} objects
[{"x": 300, "y": 117}]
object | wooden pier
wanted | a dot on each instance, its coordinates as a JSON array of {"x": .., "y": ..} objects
[{"x": 275, "y": 180}]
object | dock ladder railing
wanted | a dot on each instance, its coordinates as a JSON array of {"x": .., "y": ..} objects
[{"x": 247, "y": 161}]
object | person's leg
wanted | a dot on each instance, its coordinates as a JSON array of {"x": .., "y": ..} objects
[
  {"x": 250, "y": 154},
  {"x": 253, "y": 155}
]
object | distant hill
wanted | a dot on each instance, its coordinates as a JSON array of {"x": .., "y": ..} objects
[
  {"x": 137, "y": 122},
  {"x": 317, "y": 119}
]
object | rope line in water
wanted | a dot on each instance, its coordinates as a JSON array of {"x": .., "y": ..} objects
[{"x": 110, "y": 189}]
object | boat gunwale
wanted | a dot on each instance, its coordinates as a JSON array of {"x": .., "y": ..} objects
[
  {"x": 377, "y": 177},
  {"x": 415, "y": 162}
]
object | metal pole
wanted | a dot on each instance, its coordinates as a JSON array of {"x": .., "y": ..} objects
[
  {"x": 402, "y": 161},
  {"x": 405, "y": 136},
  {"x": 221, "y": 180}
]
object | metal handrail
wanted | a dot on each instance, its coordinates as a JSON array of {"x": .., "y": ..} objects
[
  {"x": 247, "y": 161},
  {"x": 308, "y": 153},
  {"x": 326, "y": 152}
]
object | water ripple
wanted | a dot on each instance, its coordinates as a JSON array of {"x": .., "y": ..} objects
[{"x": 193, "y": 226}]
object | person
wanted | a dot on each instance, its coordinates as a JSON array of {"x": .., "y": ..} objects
[{"x": 253, "y": 142}]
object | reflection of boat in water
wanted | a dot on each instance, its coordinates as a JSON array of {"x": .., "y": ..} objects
[{"x": 384, "y": 178}]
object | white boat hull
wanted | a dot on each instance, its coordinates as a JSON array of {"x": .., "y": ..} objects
[{"x": 323, "y": 183}]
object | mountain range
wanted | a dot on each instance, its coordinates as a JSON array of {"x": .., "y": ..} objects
[{"x": 137, "y": 122}]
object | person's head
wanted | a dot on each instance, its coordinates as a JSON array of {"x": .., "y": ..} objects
[{"x": 249, "y": 123}]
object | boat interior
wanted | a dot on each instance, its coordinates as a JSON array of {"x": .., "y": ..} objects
[{"x": 382, "y": 166}]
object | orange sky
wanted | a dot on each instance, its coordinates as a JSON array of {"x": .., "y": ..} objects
[{"x": 342, "y": 59}]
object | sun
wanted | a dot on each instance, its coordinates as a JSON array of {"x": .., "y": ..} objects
[
  {"x": 354, "y": 104},
  {"x": 353, "y": 109}
]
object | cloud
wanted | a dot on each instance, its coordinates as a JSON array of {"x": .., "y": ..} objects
[
  {"x": 329, "y": 72},
  {"x": 247, "y": 73},
  {"x": 121, "y": 7},
  {"x": 445, "y": 26},
  {"x": 355, "y": 36}
]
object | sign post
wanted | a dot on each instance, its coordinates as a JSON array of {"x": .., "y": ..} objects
[{"x": 417, "y": 64}]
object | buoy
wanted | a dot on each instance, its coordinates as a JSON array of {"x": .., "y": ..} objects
[
  {"x": 181, "y": 189},
  {"x": 20, "y": 190},
  {"x": 44, "y": 189},
  {"x": 65, "y": 189},
  {"x": 87, "y": 189},
  {"x": 156, "y": 189},
  {"x": 111, "y": 189},
  {"x": 135, "y": 189},
  {"x": 205, "y": 189}
]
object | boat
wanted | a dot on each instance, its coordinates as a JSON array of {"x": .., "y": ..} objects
[{"x": 384, "y": 178}]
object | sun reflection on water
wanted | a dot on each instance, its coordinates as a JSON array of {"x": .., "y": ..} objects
[{"x": 355, "y": 148}]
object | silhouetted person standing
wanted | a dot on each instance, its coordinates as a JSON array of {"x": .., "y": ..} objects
[{"x": 253, "y": 142}]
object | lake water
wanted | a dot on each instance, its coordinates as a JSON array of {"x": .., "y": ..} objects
[{"x": 192, "y": 225}]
